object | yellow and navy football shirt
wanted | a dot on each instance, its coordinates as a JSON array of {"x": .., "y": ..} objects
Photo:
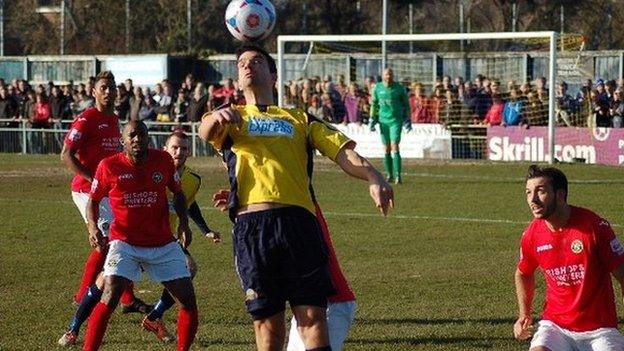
[
  {"x": 191, "y": 182},
  {"x": 269, "y": 157}
]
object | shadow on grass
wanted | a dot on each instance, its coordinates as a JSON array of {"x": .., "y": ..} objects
[{"x": 435, "y": 321}]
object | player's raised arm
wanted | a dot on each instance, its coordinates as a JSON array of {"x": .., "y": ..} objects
[
  {"x": 357, "y": 166},
  {"x": 214, "y": 125}
]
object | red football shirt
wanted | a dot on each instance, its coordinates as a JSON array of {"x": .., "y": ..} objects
[
  {"x": 343, "y": 290},
  {"x": 138, "y": 198},
  {"x": 95, "y": 136},
  {"x": 576, "y": 262}
]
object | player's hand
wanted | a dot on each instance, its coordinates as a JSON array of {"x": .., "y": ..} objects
[
  {"x": 382, "y": 194},
  {"x": 523, "y": 328},
  {"x": 214, "y": 235},
  {"x": 227, "y": 116},
  {"x": 185, "y": 236},
  {"x": 372, "y": 125},
  {"x": 97, "y": 240},
  {"x": 220, "y": 199}
]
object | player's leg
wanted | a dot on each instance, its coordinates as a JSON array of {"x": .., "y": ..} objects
[
  {"x": 270, "y": 332},
  {"x": 294, "y": 338},
  {"x": 312, "y": 326},
  {"x": 309, "y": 280},
  {"x": 182, "y": 290},
  {"x": 340, "y": 316},
  {"x": 395, "y": 139},
  {"x": 549, "y": 337},
  {"x": 153, "y": 320},
  {"x": 120, "y": 268},
  {"x": 167, "y": 265},
  {"x": 384, "y": 132},
  {"x": 607, "y": 339},
  {"x": 98, "y": 322},
  {"x": 95, "y": 262},
  {"x": 91, "y": 297}
]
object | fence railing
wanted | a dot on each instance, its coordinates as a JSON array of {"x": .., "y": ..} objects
[{"x": 17, "y": 136}]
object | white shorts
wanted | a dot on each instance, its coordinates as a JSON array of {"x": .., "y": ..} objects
[
  {"x": 106, "y": 214},
  {"x": 552, "y": 336},
  {"x": 340, "y": 316},
  {"x": 162, "y": 263}
]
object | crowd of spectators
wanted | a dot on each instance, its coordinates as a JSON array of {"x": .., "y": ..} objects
[
  {"x": 48, "y": 105},
  {"x": 481, "y": 101}
]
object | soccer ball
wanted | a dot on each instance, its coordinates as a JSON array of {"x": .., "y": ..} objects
[{"x": 250, "y": 20}]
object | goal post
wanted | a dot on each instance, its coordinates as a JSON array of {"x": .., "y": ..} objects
[{"x": 549, "y": 35}]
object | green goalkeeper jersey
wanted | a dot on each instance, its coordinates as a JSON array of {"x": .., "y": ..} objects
[{"x": 390, "y": 103}]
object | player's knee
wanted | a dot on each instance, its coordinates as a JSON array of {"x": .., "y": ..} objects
[
  {"x": 99, "y": 281},
  {"x": 111, "y": 295}
]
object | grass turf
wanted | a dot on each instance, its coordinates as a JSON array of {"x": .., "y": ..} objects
[{"x": 436, "y": 274}]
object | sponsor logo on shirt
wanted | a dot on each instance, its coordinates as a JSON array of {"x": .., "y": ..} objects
[
  {"x": 567, "y": 275},
  {"x": 617, "y": 247},
  {"x": 577, "y": 246},
  {"x": 545, "y": 247},
  {"x": 140, "y": 199},
  {"x": 102, "y": 126},
  {"x": 157, "y": 177},
  {"x": 604, "y": 222},
  {"x": 270, "y": 127},
  {"x": 126, "y": 176},
  {"x": 75, "y": 135}
]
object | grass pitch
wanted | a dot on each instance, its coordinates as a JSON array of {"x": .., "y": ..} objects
[{"x": 436, "y": 274}]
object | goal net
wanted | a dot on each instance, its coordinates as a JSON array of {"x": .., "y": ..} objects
[{"x": 517, "y": 73}]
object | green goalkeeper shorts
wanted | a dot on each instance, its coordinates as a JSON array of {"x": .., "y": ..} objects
[{"x": 390, "y": 133}]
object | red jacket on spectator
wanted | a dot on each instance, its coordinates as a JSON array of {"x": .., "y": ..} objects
[
  {"x": 419, "y": 111},
  {"x": 41, "y": 112},
  {"x": 494, "y": 116}
]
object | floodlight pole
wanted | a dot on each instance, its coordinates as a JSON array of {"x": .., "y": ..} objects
[
  {"x": 384, "y": 30},
  {"x": 127, "y": 26},
  {"x": 1, "y": 27},
  {"x": 62, "y": 44},
  {"x": 189, "y": 37}
]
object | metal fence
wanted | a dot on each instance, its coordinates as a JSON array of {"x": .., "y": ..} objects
[
  {"x": 467, "y": 141},
  {"x": 17, "y": 136}
]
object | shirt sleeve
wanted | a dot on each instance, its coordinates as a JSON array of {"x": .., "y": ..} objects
[
  {"x": 325, "y": 138},
  {"x": 610, "y": 249},
  {"x": 527, "y": 262},
  {"x": 100, "y": 186},
  {"x": 76, "y": 135}
]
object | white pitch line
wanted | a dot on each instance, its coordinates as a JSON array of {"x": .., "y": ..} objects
[
  {"x": 351, "y": 214},
  {"x": 471, "y": 177}
]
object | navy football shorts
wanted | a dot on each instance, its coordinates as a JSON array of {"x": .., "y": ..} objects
[{"x": 280, "y": 256}]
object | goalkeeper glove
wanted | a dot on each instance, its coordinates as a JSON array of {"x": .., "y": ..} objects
[{"x": 407, "y": 125}]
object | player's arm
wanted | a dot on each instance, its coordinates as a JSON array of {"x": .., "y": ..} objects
[
  {"x": 97, "y": 240},
  {"x": 68, "y": 156},
  {"x": 357, "y": 166},
  {"x": 194, "y": 212},
  {"x": 184, "y": 231},
  {"x": 213, "y": 126},
  {"x": 525, "y": 291}
]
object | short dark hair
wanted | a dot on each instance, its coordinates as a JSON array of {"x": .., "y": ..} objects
[
  {"x": 558, "y": 180},
  {"x": 250, "y": 47},
  {"x": 105, "y": 75},
  {"x": 178, "y": 132}
]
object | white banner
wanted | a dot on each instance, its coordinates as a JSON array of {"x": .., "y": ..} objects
[{"x": 423, "y": 141}]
